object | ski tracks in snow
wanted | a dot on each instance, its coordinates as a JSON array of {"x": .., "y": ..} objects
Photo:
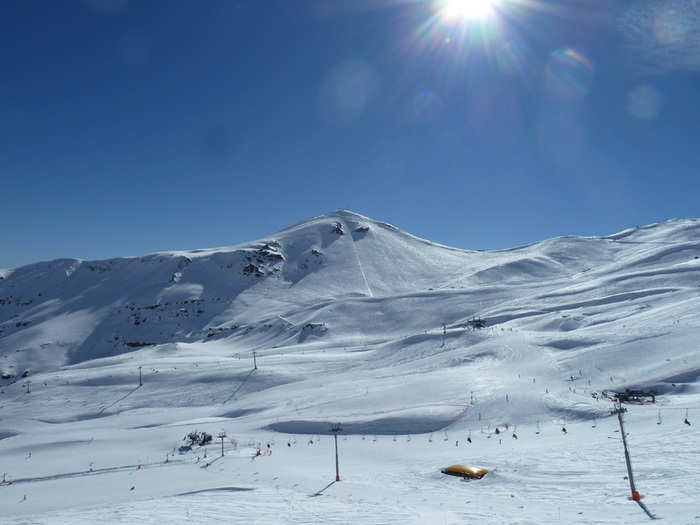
[
  {"x": 281, "y": 507},
  {"x": 359, "y": 262}
]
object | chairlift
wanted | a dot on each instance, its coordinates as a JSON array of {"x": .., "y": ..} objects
[
  {"x": 476, "y": 322},
  {"x": 637, "y": 397}
]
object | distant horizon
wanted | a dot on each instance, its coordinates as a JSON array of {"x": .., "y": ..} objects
[{"x": 264, "y": 236}]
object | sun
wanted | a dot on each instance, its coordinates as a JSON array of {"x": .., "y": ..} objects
[{"x": 455, "y": 10}]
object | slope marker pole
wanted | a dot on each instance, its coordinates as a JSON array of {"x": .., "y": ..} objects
[
  {"x": 221, "y": 436},
  {"x": 335, "y": 429}
]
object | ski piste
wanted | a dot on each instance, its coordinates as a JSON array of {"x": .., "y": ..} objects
[{"x": 373, "y": 329}]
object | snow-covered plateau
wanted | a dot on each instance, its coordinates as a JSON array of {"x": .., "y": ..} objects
[{"x": 418, "y": 351}]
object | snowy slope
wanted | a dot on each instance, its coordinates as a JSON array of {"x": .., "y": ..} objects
[{"x": 345, "y": 315}]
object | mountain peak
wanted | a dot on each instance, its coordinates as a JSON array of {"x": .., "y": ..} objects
[
  {"x": 352, "y": 219},
  {"x": 340, "y": 212}
]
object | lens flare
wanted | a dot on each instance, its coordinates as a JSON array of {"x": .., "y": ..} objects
[
  {"x": 466, "y": 9},
  {"x": 569, "y": 74},
  {"x": 644, "y": 102},
  {"x": 348, "y": 89}
]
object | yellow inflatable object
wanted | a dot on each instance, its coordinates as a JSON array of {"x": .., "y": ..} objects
[{"x": 465, "y": 471}]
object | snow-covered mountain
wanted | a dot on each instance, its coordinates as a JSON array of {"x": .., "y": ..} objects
[
  {"x": 351, "y": 320},
  {"x": 68, "y": 311}
]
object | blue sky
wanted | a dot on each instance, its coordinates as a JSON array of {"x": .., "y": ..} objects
[{"x": 137, "y": 126}]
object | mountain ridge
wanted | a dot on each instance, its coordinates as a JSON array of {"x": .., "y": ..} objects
[
  {"x": 690, "y": 222},
  {"x": 332, "y": 262}
]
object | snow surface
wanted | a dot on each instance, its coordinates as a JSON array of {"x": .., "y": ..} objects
[{"x": 345, "y": 315}]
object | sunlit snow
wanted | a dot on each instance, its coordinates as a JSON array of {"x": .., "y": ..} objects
[{"x": 354, "y": 321}]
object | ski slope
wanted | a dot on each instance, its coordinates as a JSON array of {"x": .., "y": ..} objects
[{"x": 353, "y": 321}]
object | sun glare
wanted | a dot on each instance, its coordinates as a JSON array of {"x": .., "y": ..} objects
[{"x": 466, "y": 9}]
